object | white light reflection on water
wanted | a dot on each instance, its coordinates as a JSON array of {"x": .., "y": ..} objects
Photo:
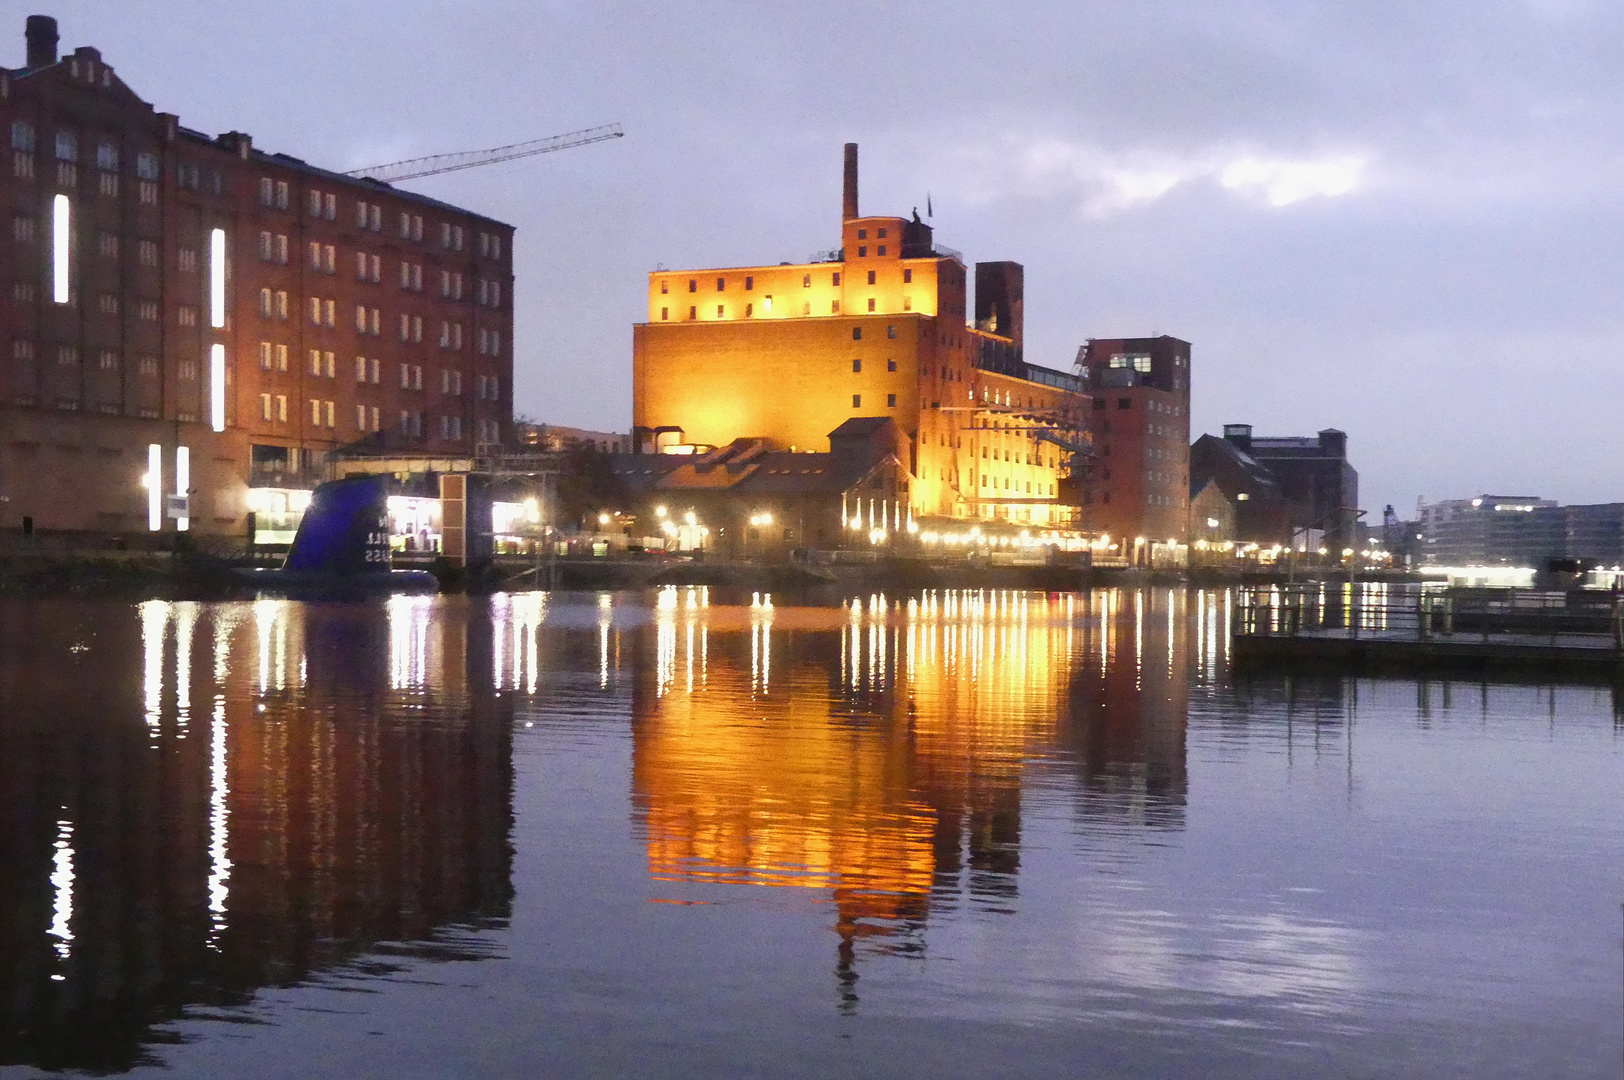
[
  {"x": 154, "y": 620},
  {"x": 62, "y": 892}
]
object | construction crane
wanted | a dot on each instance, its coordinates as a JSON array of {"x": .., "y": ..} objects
[{"x": 412, "y": 168}]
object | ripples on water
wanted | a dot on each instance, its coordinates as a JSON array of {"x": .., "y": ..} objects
[{"x": 679, "y": 833}]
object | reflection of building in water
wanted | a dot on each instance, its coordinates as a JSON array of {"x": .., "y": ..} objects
[
  {"x": 204, "y": 800},
  {"x": 877, "y": 752},
  {"x": 1124, "y": 721}
]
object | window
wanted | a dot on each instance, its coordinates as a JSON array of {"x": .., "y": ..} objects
[
  {"x": 891, "y": 332},
  {"x": 107, "y": 157},
  {"x": 882, "y": 249},
  {"x": 146, "y": 166},
  {"x": 67, "y": 146},
  {"x": 834, "y": 307},
  {"x": 315, "y": 413},
  {"x": 1124, "y": 403},
  {"x": 405, "y": 376},
  {"x": 693, "y": 313},
  {"x": 22, "y": 165},
  {"x": 188, "y": 175},
  {"x": 720, "y": 311},
  {"x": 186, "y": 258},
  {"x": 665, "y": 314},
  {"x": 862, "y": 253},
  {"x": 107, "y": 244},
  {"x": 806, "y": 281},
  {"x": 837, "y": 278},
  {"x": 360, "y": 369},
  {"x": 907, "y": 276},
  {"x": 890, "y": 365},
  {"x": 24, "y": 292},
  {"x": 22, "y": 136},
  {"x": 857, "y": 401},
  {"x": 332, "y": 306},
  {"x": 445, "y": 234},
  {"x": 107, "y": 304},
  {"x": 22, "y": 229},
  {"x": 862, "y": 234},
  {"x": 360, "y": 319},
  {"x": 186, "y": 315},
  {"x": 857, "y": 333},
  {"x": 890, "y": 401},
  {"x": 749, "y": 310},
  {"x": 871, "y": 277},
  {"x": 267, "y": 197},
  {"x": 456, "y": 238},
  {"x": 1141, "y": 362},
  {"x": 417, "y": 376},
  {"x": 857, "y": 365},
  {"x": 871, "y": 303},
  {"x": 107, "y": 360},
  {"x": 265, "y": 407}
]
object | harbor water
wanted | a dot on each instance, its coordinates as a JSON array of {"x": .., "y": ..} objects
[{"x": 691, "y": 833}]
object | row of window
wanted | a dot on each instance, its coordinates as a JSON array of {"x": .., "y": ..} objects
[
  {"x": 274, "y": 194},
  {"x": 767, "y": 306},
  {"x": 273, "y": 248},
  {"x": 806, "y": 281},
  {"x": 857, "y": 401},
  {"x": 273, "y": 409},
  {"x": 22, "y": 350}
]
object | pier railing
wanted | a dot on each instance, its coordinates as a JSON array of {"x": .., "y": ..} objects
[{"x": 1395, "y": 612}]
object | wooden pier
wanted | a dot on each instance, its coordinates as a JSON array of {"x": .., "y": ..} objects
[{"x": 1366, "y": 626}]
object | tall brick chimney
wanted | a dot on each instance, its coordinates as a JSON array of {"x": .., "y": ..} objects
[
  {"x": 42, "y": 38},
  {"x": 849, "y": 204}
]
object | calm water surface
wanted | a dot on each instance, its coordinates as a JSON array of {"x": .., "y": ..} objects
[{"x": 687, "y": 834}]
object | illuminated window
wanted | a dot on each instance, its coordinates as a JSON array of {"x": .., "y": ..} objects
[
  {"x": 265, "y": 407},
  {"x": 59, "y": 246},
  {"x": 857, "y": 401},
  {"x": 720, "y": 310}
]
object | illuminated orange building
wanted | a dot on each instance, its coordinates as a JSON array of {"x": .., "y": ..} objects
[{"x": 879, "y": 327}]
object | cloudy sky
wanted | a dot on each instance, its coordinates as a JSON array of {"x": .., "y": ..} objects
[{"x": 1402, "y": 220}]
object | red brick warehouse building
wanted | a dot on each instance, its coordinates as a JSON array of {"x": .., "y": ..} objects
[{"x": 187, "y": 304}]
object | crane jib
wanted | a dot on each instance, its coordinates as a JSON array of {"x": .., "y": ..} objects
[{"x": 412, "y": 168}]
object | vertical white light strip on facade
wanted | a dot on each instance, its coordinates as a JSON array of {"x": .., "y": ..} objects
[
  {"x": 59, "y": 249},
  {"x": 217, "y": 387},
  {"x": 183, "y": 481},
  {"x": 155, "y": 487},
  {"x": 217, "y": 278}
]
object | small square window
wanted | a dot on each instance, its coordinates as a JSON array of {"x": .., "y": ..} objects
[
  {"x": 862, "y": 234},
  {"x": 857, "y": 401},
  {"x": 881, "y": 235},
  {"x": 890, "y": 401},
  {"x": 1124, "y": 403},
  {"x": 890, "y": 365},
  {"x": 882, "y": 249},
  {"x": 857, "y": 365}
]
